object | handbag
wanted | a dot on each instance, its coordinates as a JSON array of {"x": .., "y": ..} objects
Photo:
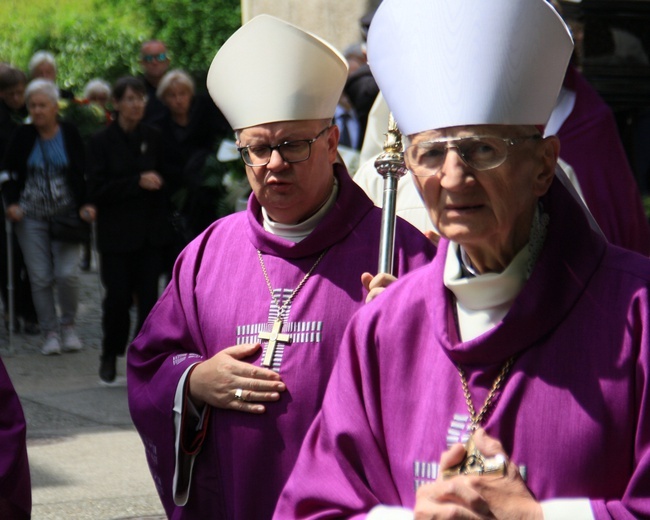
[
  {"x": 69, "y": 227},
  {"x": 65, "y": 227}
]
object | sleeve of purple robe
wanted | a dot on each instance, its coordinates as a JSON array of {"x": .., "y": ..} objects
[
  {"x": 15, "y": 484},
  {"x": 165, "y": 348}
]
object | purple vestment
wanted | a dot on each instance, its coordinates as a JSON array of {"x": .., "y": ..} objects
[
  {"x": 573, "y": 413},
  {"x": 591, "y": 145},
  {"x": 218, "y": 297},
  {"x": 15, "y": 486}
]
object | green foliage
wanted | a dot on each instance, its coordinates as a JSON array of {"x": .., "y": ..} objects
[
  {"x": 192, "y": 30},
  {"x": 101, "y": 38}
]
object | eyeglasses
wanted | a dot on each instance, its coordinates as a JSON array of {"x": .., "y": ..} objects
[
  {"x": 150, "y": 58},
  {"x": 290, "y": 151},
  {"x": 478, "y": 152}
]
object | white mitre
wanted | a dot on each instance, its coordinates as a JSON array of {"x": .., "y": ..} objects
[
  {"x": 443, "y": 63},
  {"x": 270, "y": 70}
]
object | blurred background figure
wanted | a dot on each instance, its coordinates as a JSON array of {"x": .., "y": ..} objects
[
  {"x": 96, "y": 95},
  {"x": 12, "y": 114},
  {"x": 127, "y": 184},
  {"x": 45, "y": 163},
  {"x": 43, "y": 65},
  {"x": 154, "y": 62},
  {"x": 192, "y": 128},
  {"x": 98, "y": 91}
]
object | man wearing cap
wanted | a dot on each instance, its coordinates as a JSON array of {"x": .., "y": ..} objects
[
  {"x": 510, "y": 377},
  {"x": 230, "y": 368}
]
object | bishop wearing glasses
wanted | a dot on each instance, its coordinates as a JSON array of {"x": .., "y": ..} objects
[{"x": 230, "y": 367}]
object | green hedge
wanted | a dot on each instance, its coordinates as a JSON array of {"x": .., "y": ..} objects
[{"x": 101, "y": 38}]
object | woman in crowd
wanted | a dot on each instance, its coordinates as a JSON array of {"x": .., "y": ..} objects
[
  {"x": 128, "y": 186},
  {"x": 45, "y": 162},
  {"x": 192, "y": 129}
]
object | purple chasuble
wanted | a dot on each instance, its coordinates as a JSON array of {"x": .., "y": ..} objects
[
  {"x": 573, "y": 413},
  {"x": 591, "y": 145},
  {"x": 15, "y": 483},
  {"x": 218, "y": 297}
]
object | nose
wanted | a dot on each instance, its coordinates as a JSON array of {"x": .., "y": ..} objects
[
  {"x": 276, "y": 162},
  {"x": 454, "y": 172}
]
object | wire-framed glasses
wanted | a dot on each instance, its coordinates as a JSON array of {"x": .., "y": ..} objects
[
  {"x": 290, "y": 151},
  {"x": 480, "y": 152}
]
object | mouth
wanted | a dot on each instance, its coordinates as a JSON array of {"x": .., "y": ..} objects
[{"x": 463, "y": 207}]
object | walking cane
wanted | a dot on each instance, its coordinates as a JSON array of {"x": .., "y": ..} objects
[
  {"x": 390, "y": 165},
  {"x": 10, "y": 281}
]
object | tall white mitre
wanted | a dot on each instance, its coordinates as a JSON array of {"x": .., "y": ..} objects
[
  {"x": 444, "y": 63},
  {"x": 270, "y": 70}
]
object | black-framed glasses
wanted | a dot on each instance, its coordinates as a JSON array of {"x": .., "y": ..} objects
[
  {"x": 290, "y": 151},
  {"x": 480, "y": 152},
  {"x": 150, "y": 58}
]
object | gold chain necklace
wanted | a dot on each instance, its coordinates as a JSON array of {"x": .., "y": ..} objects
[
  {"x": 476, "y": 419},
  {"x": 275, "y": 336},
  {"x": 475, "y": 463}
]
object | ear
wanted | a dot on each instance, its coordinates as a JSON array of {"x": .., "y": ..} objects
[
  {"x": 333, "y": 143},
  {"x": 548, "y": 153}
]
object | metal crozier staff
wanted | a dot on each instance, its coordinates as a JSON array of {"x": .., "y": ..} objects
[{"x": 390, "y": 165}]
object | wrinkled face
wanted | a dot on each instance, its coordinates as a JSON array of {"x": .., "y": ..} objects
[
  {"x": 42, "y": 110},
  {"x": 131, "y": 106},
  {"x": 14, "y": 96},
  {"x": 44, "y": 70},
  {"x": 491, "y": 207},
  {"x": 292, "y": 192},
  {"x": 153, "y": 67},
  {"x": 178, "y": 98}
]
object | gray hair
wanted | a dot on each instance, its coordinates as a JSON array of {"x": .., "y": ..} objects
[
  {"x": 174, "y": 76},
  {"x": 42, "y": 86},
  {"x": 41, "y": 57},
  {"x": 97, "y": 86}
]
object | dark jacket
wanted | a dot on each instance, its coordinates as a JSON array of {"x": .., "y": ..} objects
[
  {"x": 128, "y": 216},
  {"x": 18, "y": 150}
]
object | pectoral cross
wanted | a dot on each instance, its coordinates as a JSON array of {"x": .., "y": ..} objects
[{"x": 274, "y": 337}]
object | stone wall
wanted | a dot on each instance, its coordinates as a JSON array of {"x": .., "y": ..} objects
[{"x": 336, "y": 21}]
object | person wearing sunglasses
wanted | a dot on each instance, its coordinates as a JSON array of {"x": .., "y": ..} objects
[
  {"x": 154, "y": 62},
  {"x": 510, "y": 377},
  {"x": 233, "y": 361}
]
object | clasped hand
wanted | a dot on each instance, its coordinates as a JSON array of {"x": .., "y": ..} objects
[
  {"x": 473, "y": 496},
  {"x": 217, "y": 380}
]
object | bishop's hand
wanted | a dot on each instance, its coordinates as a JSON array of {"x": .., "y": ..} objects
[
  {"x": 476, "y": 496},
  {"x": 224, "y": 381},
  {"x": 376, "y": 284}
]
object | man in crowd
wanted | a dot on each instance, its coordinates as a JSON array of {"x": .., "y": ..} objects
[
  {"x": 154, "y": 62},
  {"x": 230, "y": 368},
  {"x": 510, "y": 377}
]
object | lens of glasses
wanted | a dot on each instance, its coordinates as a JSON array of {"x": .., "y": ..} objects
[
  {"x": 480, "y": 153},
  {"x": 291, "y": 152},
  {"x": 149, "y": 58}
]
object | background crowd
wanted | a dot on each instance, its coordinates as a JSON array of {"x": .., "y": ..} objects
[{"x": 136, "y": 158}]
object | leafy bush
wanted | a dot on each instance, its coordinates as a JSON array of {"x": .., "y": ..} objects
[
  {"x": 192, "y": 30},
  {"x": 101, "y": 38}
]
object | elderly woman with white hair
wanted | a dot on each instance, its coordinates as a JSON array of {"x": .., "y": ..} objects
[
  {"x": 43, "y": 65},
  {"x": 192, "y": 128},
  {"x": 45, "y": 160}
]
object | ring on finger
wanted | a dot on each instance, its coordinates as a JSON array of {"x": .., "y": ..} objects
[{"x": 239, "y": 394}]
